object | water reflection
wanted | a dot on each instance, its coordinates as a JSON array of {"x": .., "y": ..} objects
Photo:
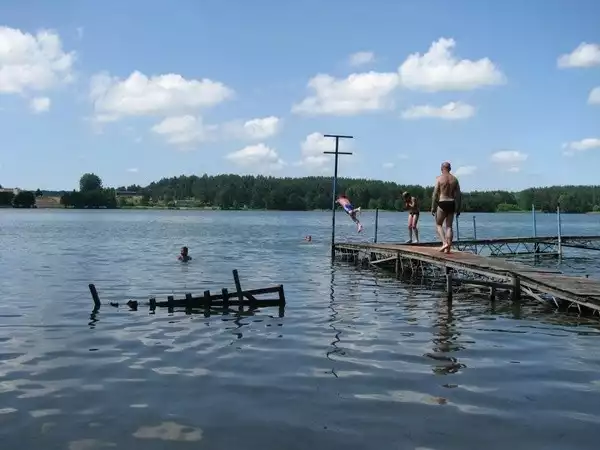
[
  {"x": 445, "y": 340},
  {"x": 333, "y": 318}
]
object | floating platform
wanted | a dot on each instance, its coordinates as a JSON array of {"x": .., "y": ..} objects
[
  {"x": 461, "y": 268},
  {"x": 223, "y": 302}
]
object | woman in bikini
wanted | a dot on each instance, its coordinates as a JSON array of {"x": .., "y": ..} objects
[{"x": 412, "y": 205}]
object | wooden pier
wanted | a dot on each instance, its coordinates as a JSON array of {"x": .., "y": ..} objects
[
  {"x": 530, "y": 245},
  {"x": 461, "y": 269}
]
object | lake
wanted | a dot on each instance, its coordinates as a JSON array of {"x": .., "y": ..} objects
[{"x": 359, "y": 361}]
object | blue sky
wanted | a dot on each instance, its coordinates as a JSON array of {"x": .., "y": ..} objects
[{"x": 139, "y": 90}]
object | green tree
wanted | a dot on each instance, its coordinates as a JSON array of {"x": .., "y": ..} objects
[
  {"x": 24, "y": 199},
  {"x": 90, "y": 182}
]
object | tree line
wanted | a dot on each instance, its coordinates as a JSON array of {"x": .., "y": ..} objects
[{"x": 310, "y": 193}]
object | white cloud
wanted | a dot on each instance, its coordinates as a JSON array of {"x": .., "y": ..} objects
[
  {"x": 465, "y": 170},
  {"x": 183, "y": 130},
  {"x": 191, "y": 129},
  {"x": 570, "y": 148},
  {"x": 389, "y": 165},
  {"x": 361, "y": 58},
  {"x": 314, "y": 145},
  {"x": 133, "y": 170},
  {"x": 449, "y": 111},
  {"x": 32, "y": 62},
  {"x": 509, "y": 157},
  {"x": 509, "y": 160},
  {"x": 258, "y": 155},
  {"x": 585, "y": 55},
  {"x": 159, "y": 95},
  {"x": 594, "y": 98},
  {"x": 40, "y": 104},
  {"x": 357, "y": 93},
  {"x": 439, "y": 70},
  {"x": 253, "y": 129}
]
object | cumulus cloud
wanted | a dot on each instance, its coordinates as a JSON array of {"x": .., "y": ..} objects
[
  {"x": 570, "y": 148},
  {"x": 439, "y": 70},
  {"x": 188, "y": 129},
  {"x": 465, "y": 171},
  {"x": 253, "y": 129},
  {"x": 32, "y": 62},
  {"x": 594, "y": 98},
  {"x": 357, "y": 93},
  {"x": 160, "y": 95},
  {"x": 40, "y": 104},
  {"x": 183, "y": 130},
  {"x": 449, "y": 111},
  {"x": 585, "y": 55},
  {"x": 361, "y": 58},
  {"x": 257, "y": 156},
  {"x": 436, "y": 70},
  {"x": 509, "y": 160}
]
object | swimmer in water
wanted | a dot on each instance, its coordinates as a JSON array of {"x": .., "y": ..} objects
[
  {"x": 183, "y": 256},
  {"x": 350, "y": 210}
]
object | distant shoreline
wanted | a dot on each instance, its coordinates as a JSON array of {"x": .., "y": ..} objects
[{"x": 213, "y": 208}]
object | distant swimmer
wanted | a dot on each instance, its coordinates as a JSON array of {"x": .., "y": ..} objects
[
  {"x": 412, "y": 205},
  {"x": 350, "y": 210},
  {"x": 184, "y": 256},
  {"x": 308, "y": 238},
  {"x": 446, "y": 202}
]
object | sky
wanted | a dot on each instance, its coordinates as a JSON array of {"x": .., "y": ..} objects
[{"x": 134, "y": 91}]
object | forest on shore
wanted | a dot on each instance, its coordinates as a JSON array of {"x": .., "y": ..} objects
[{"x": 308, "y": 193}]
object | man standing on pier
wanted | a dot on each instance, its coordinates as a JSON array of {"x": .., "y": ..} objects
[{"x": 446, "y": 202}]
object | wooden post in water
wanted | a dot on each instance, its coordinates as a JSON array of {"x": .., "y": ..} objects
[
  {"x": 536, "y": 246},
  {"x": 238, "y": 289},
  {"x": 457, "y": 231},
  {"x": 225, "y": 293},
  {"x": 95, "y": 296},
  {"x": 516, "y": 288},
  {"x": 376, "y": 224},
  {"x": 207, "y": 304},
  {"x": 449, "y": 283}
]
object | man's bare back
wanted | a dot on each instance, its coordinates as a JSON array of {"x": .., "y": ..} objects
[{"x": 446, "y": 202}]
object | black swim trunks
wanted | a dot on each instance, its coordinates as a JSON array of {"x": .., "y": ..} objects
[
  {"x": 448, "y": 206},
  {"x": 413, "y": 213}
]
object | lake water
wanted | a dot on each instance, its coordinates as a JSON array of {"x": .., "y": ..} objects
[{"x": 359, "y": 361}]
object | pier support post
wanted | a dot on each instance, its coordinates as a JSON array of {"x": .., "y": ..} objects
[
  {"x": 397, "y": 265},
  {"x": 516, "y": 288},
  {"x": 559, "y": 231},
  {"x": 376, "y": 225},
  {"x": 475, "y": 232},
  {"x": 449, "y": 283},
  {"x": 536, "y": 246}
]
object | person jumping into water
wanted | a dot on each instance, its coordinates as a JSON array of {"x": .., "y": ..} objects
[
  {"x": 447, "y": 198},
  {"x": 412, "y": 204},
  {"x": 350, "y": 210}
]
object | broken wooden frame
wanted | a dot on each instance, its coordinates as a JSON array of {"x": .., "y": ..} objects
[{"x": 224, "y": 301}]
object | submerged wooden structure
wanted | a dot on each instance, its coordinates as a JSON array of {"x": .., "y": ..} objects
[
  {"x": 461, "y": 269},
  {"x": 222, "y": 302}
]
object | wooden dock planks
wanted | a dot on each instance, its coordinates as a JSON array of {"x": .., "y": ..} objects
[{"x": 581, "y": 290}]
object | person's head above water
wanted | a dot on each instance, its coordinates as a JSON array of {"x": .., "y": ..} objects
[
  {"x": 446, "y": 167},
  {"x": 184, "y": 251}
]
